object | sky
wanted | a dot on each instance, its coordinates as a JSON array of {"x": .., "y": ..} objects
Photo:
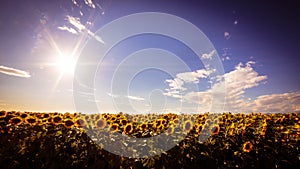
[{"x": 52, "y": 56}]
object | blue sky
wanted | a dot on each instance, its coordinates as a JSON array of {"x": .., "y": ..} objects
[{"x": 256, "y": 43}]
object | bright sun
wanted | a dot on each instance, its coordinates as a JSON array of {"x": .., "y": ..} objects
[{"x": 66, "y": 64}]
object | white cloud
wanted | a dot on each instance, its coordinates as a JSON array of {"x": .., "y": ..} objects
[
  {"x": 112, "y": 95},
  {"x": 81, "y": 28},
  {"x": 225, "y": 58},
  {"x": 237, "y": 81},
  {"x": 175, "y": 84},
  {"x": 244, "y": 77},
  {"x": 14, "y": 72},
  {"x": 285, "y": 102},
  {"x": 201, "y": 98},
  {"x": 193, "y": 77},
  {"x": 75, "y": 2},
  {"x": 94, "y": 101},
  {"x": 76, "y": 23},
  {"x": 208, "y": 55},
  {"x": 226, "y": 35},
  {"x": 174, "y": 94},
  {"x": 89, "y": 3},
  {"x": 135, "y": 98},
  {"x": 176, "y": 88},
  {"x": 129, "y": 97},
  {"x": 65, "y": 28}
]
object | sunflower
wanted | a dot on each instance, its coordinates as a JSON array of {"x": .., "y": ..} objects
[
  {"x": 143, "y": 126},
  {"x": 46, "y": 115},
  {"x": 16, "y": 113},
  {"x": 105, "y": 116},
  {"x": 163, "y": 121},
  {"x": 215, "y": 130},
  {"x": 161, "y": 127},
  {"x": 56, "y": 119},
  {"x": 176, "y": 121},
  {"x": 3, "y": 114},
  {"x": 80, "y": 122},
  {"x": 128, "y": 128},
  {"x": 263, "y": 132},
  {"x": 156, "y": 123},
  {"x": 114, "y": 127},
  {"x": 170, "y": 130},
  {"x": 199, "y": 129},
  {"x": 188, "y": 125},
  {"x": 101, "y": 123},
  {"x": 15, "y": 120},
  {"x": 23, "y": 115},
  {"x": 247, "y": 147},
  {"x": 123, "y": 122},
  {"x": 113, "y": 118},
  {"x": 68, "y": 123},
  {"x": 30, "y": 120}
]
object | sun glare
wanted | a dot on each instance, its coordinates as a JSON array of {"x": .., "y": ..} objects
[{"x": 66, "y": 64}]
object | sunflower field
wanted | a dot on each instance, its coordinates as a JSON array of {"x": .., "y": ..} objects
[{"x": 75, "y": 140}]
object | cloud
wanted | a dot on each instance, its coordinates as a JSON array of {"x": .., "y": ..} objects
[
  {"x": 89, "y": 3},
  {"x": 176, "y": 85},
  {"x": 227, "y": 35},
  {"x": 225, "y": 58},
  {"x": 65, "y": 28},
  {"x": 81, "y": 28},
  {"x": 112, "y": 95},
  {"x": 285, "y": 102},
  {"x": 135, "y": 98},
  {"x": 244, "y": 77},
  {"x": 173, "y": 93},
  {"x": 208, "y": 55},
  {"x": 237, "y": 81},
  {"x": 94, "y": 101},
  {"x": 74, "y": 2},
  {"x": 76, "y": 23},
  {"x": 129, "y": 97},
  {"x": 235, "y": 22},
  {"x": 193, "y": 77},
  {"x": 14, "y": 72},
  {"x": 204, "y": 99}
]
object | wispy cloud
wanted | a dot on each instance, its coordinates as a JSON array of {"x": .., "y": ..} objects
[
  {"x": 75, "y": 2},
  {"x": 135, "y": 98},
  {"x": 244, "y": 77},
  {"x": 94, "y": 101},
  {"x": 14, "y": 72},
  {"x": 284, "y": 102},
  {"x": 112, "y": 95},
  {"x": 193, "y": 77},
  {"x": 129, "y": 97},
  {"x": 75, "y": 22},
  {"x": 237, "y": 81},
  {"x": 226, "y": 35},
  {"x": 208, "y": 55},
  {"x": 65, "y": 28},
  {"x": 176, "y": 85},
  {"x": 225, "y": 58},
  {"x": 89, "y": 3}
]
